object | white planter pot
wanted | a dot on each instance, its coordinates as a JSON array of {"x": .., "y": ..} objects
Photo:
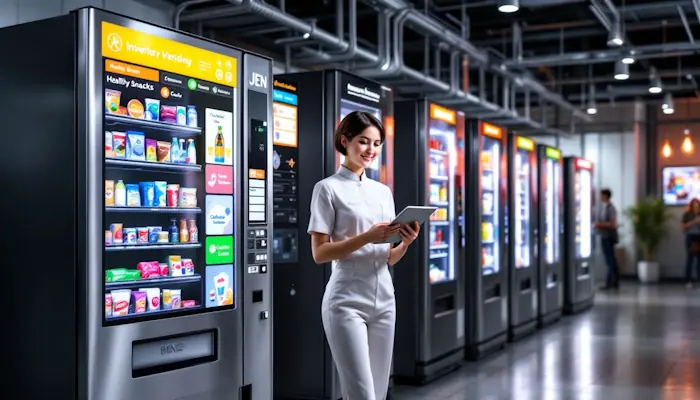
[{"x": 648, "y": 271}]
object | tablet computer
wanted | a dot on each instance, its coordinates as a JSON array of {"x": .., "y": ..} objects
[{"x": 407, "y": 216}]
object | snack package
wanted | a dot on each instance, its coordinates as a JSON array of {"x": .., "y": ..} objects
[
  {"x": 138, "y": 299},
  {"x": 149, "y": 269},
  {"x": 168, "y": 114},
  {"x": 112, "y": 100},
  {"x": 148, "y": 196},
  {"x": 163, "y": 151},
  {"x": 175, "y": 266},
  {"x": 163, "y": 237},
  {"x": 135, "y": 146},
  {"x": 109, "y": 145},
  {"x": 181, "y": 115},
  {"x": 109, "y": 193},
  {"x": 133, "y": 197},
  {"x": 129, "y": 235},
  {"x": 159, "y": 194},
  {"x": 172, "y": 194},
  {"x": 176, "y": 297},
  {"x": 152, "y": 298},
  {"x": 108, "y": 305},
  {"x": 187, "y": 267},
  {"x": 188, "y": 303},
  {"x": 188, "y": 197},
  {"x": 152, "y": 108},
  {"x": 151, "y": 150},
  {"x": 122, "y": 275},
  {"x": 108, "y": 238},
  {"x": 119, "y": 144},
  {"x": 117, "y": 233},
  {"x": 153, "y": 234},
  {"x": 135, "y": 109},
  {"x": 167, "y": 301},
  {"x": 142, "y": 235},
  {"x": 120, "y": 302}
]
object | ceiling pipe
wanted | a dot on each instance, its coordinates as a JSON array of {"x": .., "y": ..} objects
[
  {"x": 351, "y": 51},
  {"x": 182, "y": 7}
]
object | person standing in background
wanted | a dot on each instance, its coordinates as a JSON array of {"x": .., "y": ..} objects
[
  {"x": 691, "y": 225},
  {"x": 606, "y": 227}
]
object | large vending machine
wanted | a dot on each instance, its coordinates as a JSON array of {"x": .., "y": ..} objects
[
  {"x": 522, "y": 232},
  {"x": 428, "y": 283},
  {"x": 153, "y": 147},
  {"x": 550, "y": 237},
  {"x": 486, "y": 263},
  {"x": 578, "y": 230},
  {"x": 308, "y": 107}
]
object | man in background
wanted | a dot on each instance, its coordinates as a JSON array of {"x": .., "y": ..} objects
[{"x": 606, "y": 227}]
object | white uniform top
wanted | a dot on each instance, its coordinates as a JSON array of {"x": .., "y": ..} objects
[{"x": 345, "y": 205}]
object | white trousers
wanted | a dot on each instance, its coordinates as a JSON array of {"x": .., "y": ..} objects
[{"x": 359, "y": 314}]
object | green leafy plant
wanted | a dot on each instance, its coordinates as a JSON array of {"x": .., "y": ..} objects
[{"x": 650, "y": 218}]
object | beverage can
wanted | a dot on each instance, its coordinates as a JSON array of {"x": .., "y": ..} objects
[{"x": 172, "y": 194}]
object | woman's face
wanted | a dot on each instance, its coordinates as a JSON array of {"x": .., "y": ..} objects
[{"x": 363, "y": 148}]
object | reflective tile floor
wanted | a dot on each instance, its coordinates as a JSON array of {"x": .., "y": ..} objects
[{"x": 641, "y": 343}]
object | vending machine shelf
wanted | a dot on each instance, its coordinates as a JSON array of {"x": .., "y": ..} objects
[
  {"x": 152, "y": 281},
  {"x": 160, "y": 125},
  {"x": 150, "y": 314},
  {"x": 161, "y": 210},
  {"x": 150, "y": 246},
  {"x": 148, "y": 165}
]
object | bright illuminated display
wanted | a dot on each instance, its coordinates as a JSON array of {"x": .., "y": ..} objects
[
  {"x": 583, "y": 206},
  {"x": 490, "y": 160},
  {"x": 551, "y": 198},
  {"x": 521, "y": 226}
]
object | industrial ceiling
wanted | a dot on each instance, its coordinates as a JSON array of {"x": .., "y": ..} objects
[{"x": 494, "y": 59}]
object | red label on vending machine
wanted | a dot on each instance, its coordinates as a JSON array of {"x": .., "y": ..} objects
[{"x": 219, "y": 179}]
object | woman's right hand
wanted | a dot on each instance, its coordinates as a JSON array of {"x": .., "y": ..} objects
[{"x": 380, "y": 232}]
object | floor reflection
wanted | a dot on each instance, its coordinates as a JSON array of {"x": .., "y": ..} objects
[{"x": 641, "y": 343}]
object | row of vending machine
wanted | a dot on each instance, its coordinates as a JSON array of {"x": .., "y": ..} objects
[
  {"x": 167, "y": 180},
  {"x": 507, "y": 251}
]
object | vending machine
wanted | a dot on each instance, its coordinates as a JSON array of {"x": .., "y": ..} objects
[
  {"x": 153, "y": 146},
  {"x": 486, "y": 262},
  {"x": 522, "y": 232},
  {"x": 550, "y": 235},
  {"x": 308, "y": 107},
  {"x": 428, "y": 283},
  {"x": 578, "y": 230}
]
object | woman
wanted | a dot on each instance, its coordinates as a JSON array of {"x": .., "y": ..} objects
[
  {"x": 349, "y": 214},
  {"x": 691, "y": 226}
]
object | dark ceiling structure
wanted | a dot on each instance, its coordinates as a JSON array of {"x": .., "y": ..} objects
[{"x": 560, "y": 56}]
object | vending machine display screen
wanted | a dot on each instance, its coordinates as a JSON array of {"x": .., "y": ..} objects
[
  {"x": 490, "y": 159},
  {"x": 522, "y": 199},
  {"x": 169, "y": 208},
  {"x": 583, "y": 207},
  {"x": 551, "y": 206}
]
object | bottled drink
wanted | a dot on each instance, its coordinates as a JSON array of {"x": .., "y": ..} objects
[
  {"x": 194, "y": 232},
  {"x": 183, "y": 152},
  {"x": 184, "y": 231},
  {"x": 175, "y": 151},
  {"x": 191, "y": 152},
  {"x": 192, "y": 116},
  {"x": 174, "y": 232},
  {"x": 120, "y": 194},
  {"x": 219, "y": 145}
]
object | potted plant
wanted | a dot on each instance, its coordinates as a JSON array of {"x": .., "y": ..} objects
[{"x": 650, "y": 218}]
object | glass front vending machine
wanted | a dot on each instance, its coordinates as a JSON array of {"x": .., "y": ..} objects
[
  {"x": 308, "y": 107},
  {"x": 578, "y": 230},
  {"x": 153, "y": 145},
  {"x": 550, "y": 235},
  {"x": 429, "y": 297},
  {"x": 486, "y": 262},
  {"x": 522, "y": 250}
]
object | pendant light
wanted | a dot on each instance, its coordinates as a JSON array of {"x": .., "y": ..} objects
[
  {"x": 667, "y": 105},
  {"x": 687, "y": 147},
  {"x": 622, "y": 71},
  {"x": 666, "y": 150},
  {"x": 615, "y": 35},
  {"x": 508, "y": 6}
]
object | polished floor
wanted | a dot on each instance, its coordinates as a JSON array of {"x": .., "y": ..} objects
[{"x": 640, "y": 343}]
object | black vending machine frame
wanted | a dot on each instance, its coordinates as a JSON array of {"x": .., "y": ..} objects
[
  {"x": 429, "y": 323},
  {"x": 486, "y": 314},
  {"x": 305, "y": 369},
  {"x": 550, "y": 275},
  {"x": 523, "y": 283},
  {"x": 578, "y": 271}
]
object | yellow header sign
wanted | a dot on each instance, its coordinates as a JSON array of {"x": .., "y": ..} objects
[
  {"x": 144, "y": 49},
  {"x": 525, "y": 143},
  {"x": 443, "y": 114}
]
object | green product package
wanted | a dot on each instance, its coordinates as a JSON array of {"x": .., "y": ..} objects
[{"x": 122, "y": 275}]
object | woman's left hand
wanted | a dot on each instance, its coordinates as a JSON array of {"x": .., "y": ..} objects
[{"x": 409, "y": 233}]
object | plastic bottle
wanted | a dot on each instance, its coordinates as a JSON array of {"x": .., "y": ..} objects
[
  {"x": 183, "y": 152},
  {"x": 192, "y": 116},
  {"x": 184, "y": 231},
  {"x": 194, "y": 231},
  {"x": 120, "y": 194},
  {"x": 191, "y": 152},
  {"x": 174, "y": 232},
  {"x": 174, "y": 151}
]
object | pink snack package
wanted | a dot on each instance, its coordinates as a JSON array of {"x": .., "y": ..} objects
[
  {"x": 188, "y": 303},
  {"x": 149, "y": 269},
  {"x": 163, "y": 269},
  {"x": 138, "y": 299},
  {"x": 187, "y": 266}
]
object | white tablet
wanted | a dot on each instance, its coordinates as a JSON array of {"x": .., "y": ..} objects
[{"x": 407, "y": 216}]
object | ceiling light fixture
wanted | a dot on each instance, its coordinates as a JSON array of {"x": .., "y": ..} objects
[
  {"x": 667, "y": 105},
  {"x": 622, "y": 71},
  {"x": 615, "y": 35},
  {"x": 655, "y": 87},
  {"x": 508, "y": 6},
  {"x": 687, "y": 147},
  {"x": 628, "y": 59},
  {"x": 666, "y": 150}
]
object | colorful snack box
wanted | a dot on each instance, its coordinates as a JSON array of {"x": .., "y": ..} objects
[
  {"x": 112, "y": 100},
  {"x": 148, "y": 195},
  {"x": 188, "y": 197},
  {"x": 120, "y": 302},
  {"x": 139, "y": 301},
  {"x": 167, "y": 302},
  {"x": 176, "y": 298},
  {"x": 108, "y": 238},
  {"x": 151, "y": 150},
  {"x": 129, "y": 235},
  {"x": 163, "y": 237},
  {"x": 141, "y": 235},
  {"x": 163, "y": 151},
  {"x": 164, "y": 269},
  {"x": 175, "y": 266},
  {"x": 187, "y": 267},
  {"x": 168, "y": 114},
  {"x": 172, "y": 194},
  {"x": 133, "y": 196},
  {"x": 117, "y": 233},
  {"x": 152, "y": 109},
  {"x": 135, "y": 146},
  {"x": 160, "y": 190},
  {"x": 109, "y": 193},
  {"x": 149, "y": 269},
  {"x": 109, "y": 145},
  {"x": 153, "y": 234},
  {"x": 108, "y": 304},
  {"x": 119, "y": 144},
  {"x": 188, "y": 303},
  {"x": 152, "y": 298}
]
